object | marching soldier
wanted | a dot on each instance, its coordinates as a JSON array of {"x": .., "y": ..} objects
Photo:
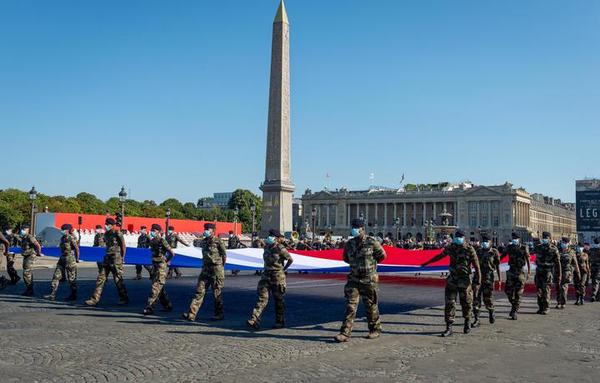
[
  {"x": 489, "y": 261},
  {"x": 112, "y": 264},
  {"x": 518, "y": 257},
  {"x": 214, "y": 257},
  {"x": 67, "y": 264},
  {"x": 595, "y": 270},
  {"x": 233, "y": 242},
  {"x": 362, "y": 253},
  {"x": 10, "y": 258},
  {"x": 4, "y": 249},
  {"x": 160, "y": 262},
  {"x": 568, "y": 265},
  {"x": 547, "y": 260},
  {"x": 173, "y": 239},
  {"x": 143, "y": 242},
  {"x": 30, "y": 248},
  {"x": 581, "y": 280},
  {"x": 276, "y": 261},
  {"x": 462, "y": 258},
  {"x": 99, "y": 242}
]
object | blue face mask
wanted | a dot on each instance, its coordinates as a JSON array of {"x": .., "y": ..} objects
[
  {"x": 152, "y": 234},
  {"x": 564, "y": 246},
  {"x": 580, "y": 249},
  {"x": 515, "y": 241},
  {"x": 270, "y": 240},
  {"x": 355, "y": 232},
  {"x": 545, "y": 241},
  {"x": 485, "y": 245},
  {"x": 206, "y": 233},
  {"x": 108, "y": 227},
  {"x": 22, "y": 232},
  {"x": 459, "y": 240}
]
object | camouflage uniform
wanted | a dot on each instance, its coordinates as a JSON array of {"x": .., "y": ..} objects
[
  {"x": 159, "y": 247},
  {"x": 212, "y": 276},
  {"x": 581, "y": 280},
  {"x": 568, "y": 262},
  {"x": 518, "y": 255},
  {"x": 99, "y": 242},
  {"x": 10, "y": 259},
  {"x": 28, "y": 251},
  {"x": 595, "y": 273},
  {"x": 275, "y": 257},
  {"x": 143, "y": 242},
  {"x": 547, "y": 257},
  {"x": 489, "y": 261},
  {"x": 67, "y": 264},
  {"x": 363, "y": 255},
  {"x": 459, "y": 280},
  {"x": 113, "y": 263},
  {"x": 173, "y": 240}
]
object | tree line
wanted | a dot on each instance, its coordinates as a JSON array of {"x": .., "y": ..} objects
[{"x": 15, "y": 207}]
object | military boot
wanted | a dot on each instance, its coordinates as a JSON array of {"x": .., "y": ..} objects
[
  {"x": 28, "y": 291},
  {"x": 492, "y": 316},
  {"x": 218, "y": 317},
  {"x": 187, "y": 317},
  {"x": 253, "y": 323},
  {"x": 341, "y": 338},
  {"x": 123, "y": 301},
  {"x": 448, "y": 331},
  {"x": 15, "y": 280},
  {"x": 148, "y": 311},
  {"x": 279, "y": 325},
  {"x": 577, "y": 300},
  {"x": 581, "y": 300},
  {"x": 467, "y": 327},
  {"x": 73, "y": 296},
  {"x": 513, "y": 314},
  {"x": 593, "y": 299},
  {"x": 51, "y": 296},
  {"x": 3, "y": 282},
  {"x": 374, "y": 334},
  {"x": 476, "y": 322}
]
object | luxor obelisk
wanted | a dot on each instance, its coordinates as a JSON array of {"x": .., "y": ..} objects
[{"x": 277, "y": 188}]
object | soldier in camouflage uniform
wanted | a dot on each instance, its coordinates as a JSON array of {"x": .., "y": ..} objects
[
  {"x": 214, "y": 257},
  {"x": 173, "y": 239},
  {"x": 489, "y": 261},
  {"x": 276, "y": 261},
  {"x": 233, "y": 242},
  {"x": 595, "y": 270},
  {"x": 547, "y": 261},
  {"x": 4, "y": 246},
  {"x": 112, "y": 264},
  {"x": 518, "y": 257},
  {"x": 10, "y": 258},
  {"x": 143, "y": 242},
  {"x": 581, "y": 280},
  {"x": 462, "y": 257},
  {"x": 30, "y": 248},
  {"x": 362, "y": 253},
  {"x": 568, "y": 265},
  {"x": 67, "y": 264},
  {"x": 160, "y": 262},
  {"x": 99, "y": 242}
]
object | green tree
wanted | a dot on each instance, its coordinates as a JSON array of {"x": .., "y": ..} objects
[
  {"x": 243, "y": 200},
  {"x": 90, "y": 204}
]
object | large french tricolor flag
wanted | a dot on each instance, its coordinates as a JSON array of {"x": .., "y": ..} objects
[{"x": 397, "y": 260}]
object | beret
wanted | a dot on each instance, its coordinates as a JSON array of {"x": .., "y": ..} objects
[
  {"x": 275, "y": 233},
  {"x": 98, "y": 226},
  {"x": 459, "y": 233},
  {"x": 209, "y": 226},
  {"x": 155, "y": 226},
  {"x": 485, "y": 238},
  {"x": 546, "y": 235},
  {"x": 566, "y": 239},
  {"x": 25, "y": 226},
  {"x": 143, "y": 227},
  {"x": 515, "y": 236},
  {"x": 170, "y": 228}
]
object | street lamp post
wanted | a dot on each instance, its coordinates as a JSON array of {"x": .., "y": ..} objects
[
  {"x": 313, "y": 214},
  {"x": 122, "y": 198},
  {"x": 253, "y": 209},
  {"x": 167, "y": 219},
  {"x": 236, "y": 211},
  {"x": 397, "y": 224},
  {"x": 32, "y": 197}
]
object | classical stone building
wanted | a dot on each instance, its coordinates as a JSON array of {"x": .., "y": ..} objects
[{"x": 496, "y": 210}]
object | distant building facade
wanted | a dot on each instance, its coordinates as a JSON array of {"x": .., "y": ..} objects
[
  {"x": 217, "y": 200},
  {"x": 496, "y": 210}
]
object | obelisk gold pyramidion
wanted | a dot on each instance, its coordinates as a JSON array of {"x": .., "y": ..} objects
[{"x": 277, "y": 188}]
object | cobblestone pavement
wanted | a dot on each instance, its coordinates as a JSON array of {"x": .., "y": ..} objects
[{"x": 55, "y": 341}]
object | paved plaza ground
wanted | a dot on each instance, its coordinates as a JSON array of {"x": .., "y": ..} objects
[{"x": 55, "y": 341}]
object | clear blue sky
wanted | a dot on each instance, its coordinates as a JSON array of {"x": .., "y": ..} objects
[{"x": 170, "y": 98}]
